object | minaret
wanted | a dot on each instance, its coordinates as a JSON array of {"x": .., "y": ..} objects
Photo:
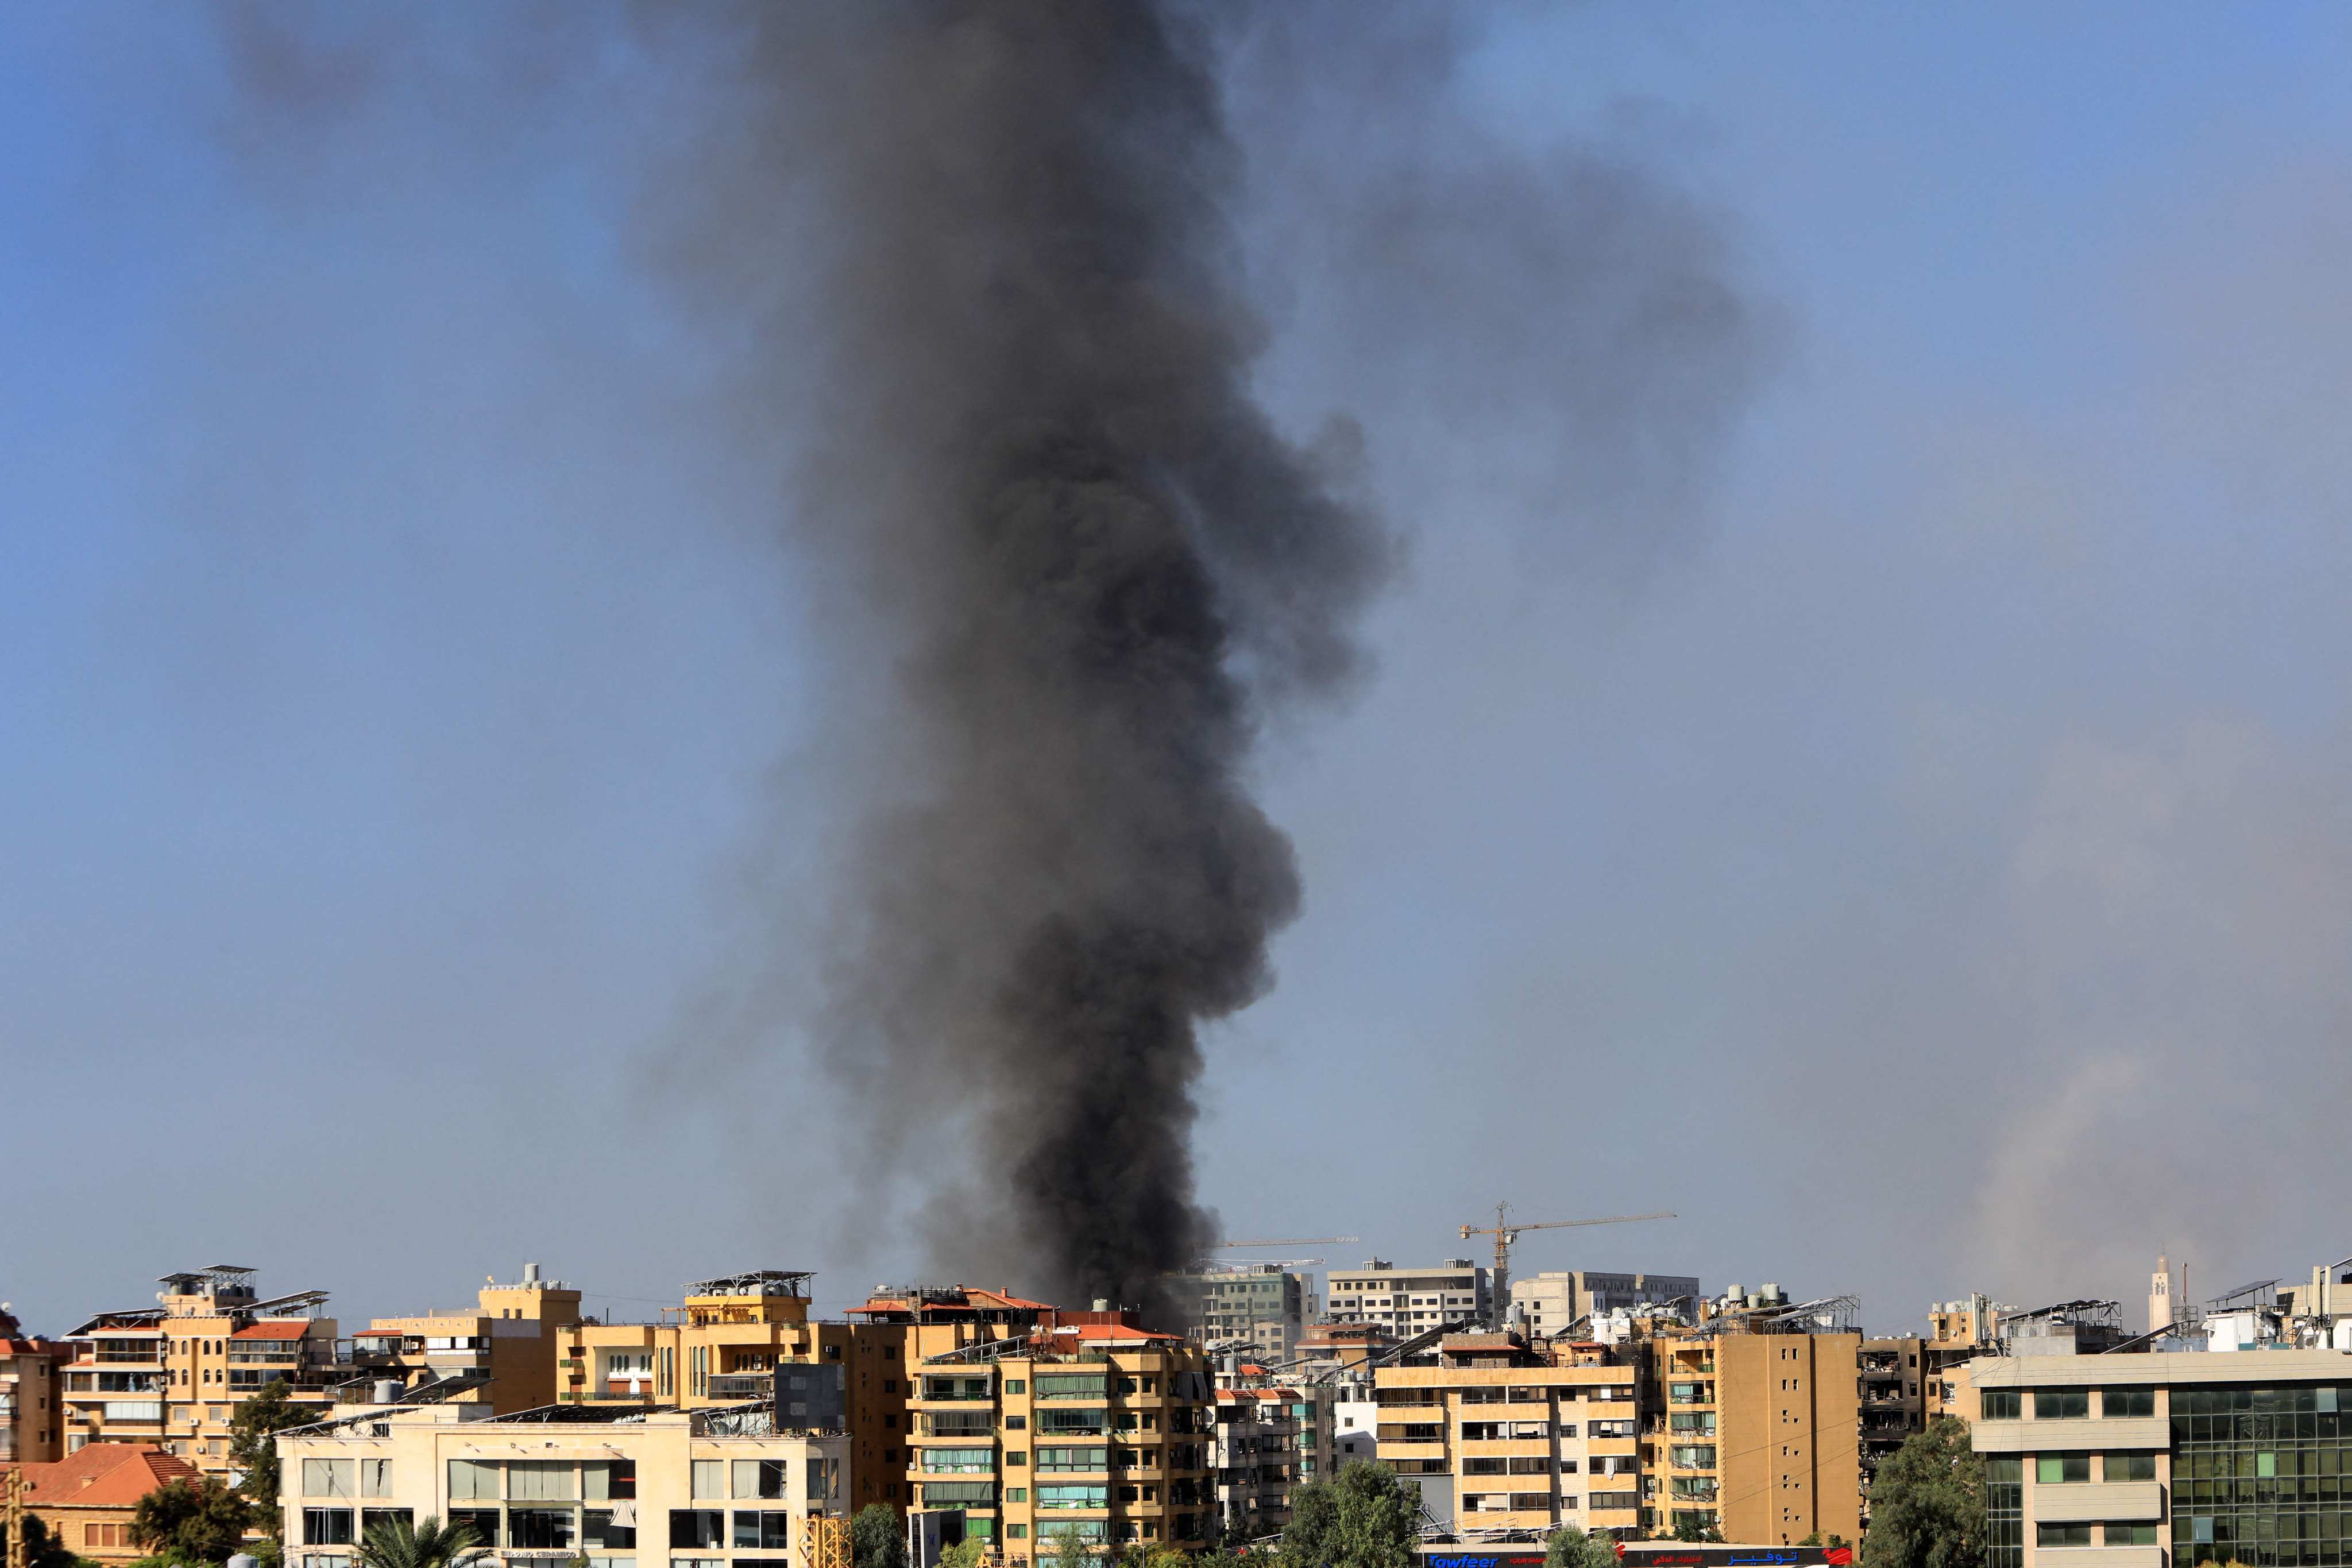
[{"x": 2159, "y": 1295}]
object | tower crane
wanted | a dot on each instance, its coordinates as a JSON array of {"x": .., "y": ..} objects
[
  {"x": 1506, "y": 1233},
  {"x": 1290, "y": 1241}
]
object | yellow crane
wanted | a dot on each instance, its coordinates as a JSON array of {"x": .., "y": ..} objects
[
  {"x": 1290, "y": 1241},
  {"x": 1504, "y": 1233}
]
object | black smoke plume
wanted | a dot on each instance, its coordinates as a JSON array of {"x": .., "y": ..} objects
[{"x": 1037, "y": 460}]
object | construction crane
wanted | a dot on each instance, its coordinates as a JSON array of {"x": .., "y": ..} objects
[
  {"x": 1504, "y": 1233},
  {"x": 1290, "y": 1241}
]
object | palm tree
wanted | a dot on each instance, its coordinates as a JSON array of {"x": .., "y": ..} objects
[{"x": 394, "y": 1543}]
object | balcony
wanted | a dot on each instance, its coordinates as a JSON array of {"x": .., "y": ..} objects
[{"x": 741, "y": 1384}]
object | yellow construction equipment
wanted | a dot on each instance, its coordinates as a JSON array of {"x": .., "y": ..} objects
[
  {"x": 1506, "y": 1233},
  {"x": 825, "y": 1542}
]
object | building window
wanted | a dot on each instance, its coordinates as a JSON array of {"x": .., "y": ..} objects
[
  {"x": 2134, "y": 1534},
  {"x": 697, "y": 1527},
  {"x": 2046, "y": 1535},
  {"x": 2116, "y": 1404},
  {"x": 613, "y": 1480},
  {"x": 2062, "y": 1404},
  {"x": 539, "y": 1480},
  {"x": 372, "y": 1517},
  {"x": 597, "y": 1529},
  {"x": 326, "y": 1527},
  {"x": 765, "y": 1530},
  {"x": 710, "y": 1481},
  {"x": 375, "y": 1477},
  {"x": 760, "y": 1479},
  {"x": 2130, "y": 1467},
  {"x": 482, "y": 1522},
  {"x": 2000, "y": 1404},
  {"x": 472, "y": 1480},
  {"x": 329, "y": 1478},
  {"x": 2062, "y": 1470},
  {"x": 540, "y": 1528}
]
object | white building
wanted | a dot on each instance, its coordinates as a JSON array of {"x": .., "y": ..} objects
[{"x": 676, "y": 1489}]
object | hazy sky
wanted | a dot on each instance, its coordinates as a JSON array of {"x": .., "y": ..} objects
[{"x": 1905, "y": 830}]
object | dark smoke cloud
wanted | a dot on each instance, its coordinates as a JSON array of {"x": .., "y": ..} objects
[
  {"x": 986, "y": 281},
  {"x": 1036, "y": 463}
]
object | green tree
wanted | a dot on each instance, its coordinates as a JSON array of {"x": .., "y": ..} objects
[
  {"x": 193, "y": 1520},
  {"x": 1926, "y": 1507},
  {"x": 1571, "y": 1548},
  {"x": 876, "y": 1539},
  {"x": 253, "y": 1427},
  {"x": 395, "y": 1543},
  {"x": 969, "y": 1553},
  {"x": 1363, "y": 1518}
]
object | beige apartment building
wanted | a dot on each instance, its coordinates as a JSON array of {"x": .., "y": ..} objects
[
  {"x": 2163, "y": 1460},
  {"x": 502, "y": 1354},
  {"x": 1502, "y": 1438},
  {"x": 1769, "y": 1429},
  {"x": 671, "y": 1488},
  {"x": 1408, "y": 1301},
  {"x": 722, "y": 1346},
  {"x": 172, "y": 1374},
  {"x": 32, "y": 1416},
  {"x": 1042, "y": 1423}
]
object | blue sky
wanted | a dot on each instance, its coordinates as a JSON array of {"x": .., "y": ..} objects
[{"x": 1927, "y": 872}]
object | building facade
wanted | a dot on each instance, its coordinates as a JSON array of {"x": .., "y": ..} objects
[
  {"x": 1550, "y": 1303},
  {"x": 669, "y": 1488},
  {"x": 172, "y": 1374},
  {"x": 1266, "y": 1440},
  {"x": 32, "y": 1416},
  {"x": 87, "y": 1498},
  {"x": 722, "y": 1346},
  {"x": 1262, "y": 1304},
  {"x": 1408, "y": 1301},
  {"x": 502, "y": 1354},
  {"x": 1501, "y": 1437},
  {"x": 2167, "y": 1459},
  {"x": 1086, "y": 1427}
]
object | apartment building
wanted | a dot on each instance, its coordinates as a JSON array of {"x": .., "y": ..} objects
[
  {"x": 1408, "y": 1301},
  {"x": 678, "y": 1488},
  {"x": 174, "y": 1374},
  {"x": 1548, "y": 1303},
  {"x": 1085, "y": 1426},
  {"x": 722, "y": 1346},
  {"x": 87, "y": 1498},
  {"x": 1264, "y": 1304},
  {"x": 501, "y": 1355},
  {"x": 1766, "y": 1421},
  {"x": 2114, "y": 1461},
  {"x": 1499, "y": 1436},
  {"x": 32, "y": 1417},
  {"x": 1268, "y": 1439}
]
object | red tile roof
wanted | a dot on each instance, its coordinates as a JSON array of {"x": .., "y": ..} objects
[
  {"x": 278, "y": 1331},
  {"x": 103, "y": 1475}
]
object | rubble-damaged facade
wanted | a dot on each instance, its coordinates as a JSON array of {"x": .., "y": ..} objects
[{"x": 1268, "y": 1437}]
